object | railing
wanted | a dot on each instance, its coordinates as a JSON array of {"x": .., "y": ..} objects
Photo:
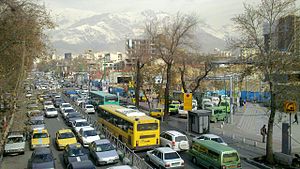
[{"x": 127, "y": 155}]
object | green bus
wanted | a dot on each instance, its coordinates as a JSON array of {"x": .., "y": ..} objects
[
  {"x": 213, "y": 155},
  {"x": 218, "y": 113},
  {"x": 103, "y": 98}
]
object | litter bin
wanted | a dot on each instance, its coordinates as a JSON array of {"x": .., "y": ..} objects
[{"x": 199, "y": 121}]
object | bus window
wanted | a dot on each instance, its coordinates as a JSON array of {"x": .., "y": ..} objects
[
  {"x": 230, "y": 157},
  {"x": 147, "y": 126}
]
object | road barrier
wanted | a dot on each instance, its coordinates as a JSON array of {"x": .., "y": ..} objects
[{"x": 128, "y": 156}]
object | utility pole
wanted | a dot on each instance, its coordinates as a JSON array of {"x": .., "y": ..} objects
[{"x": 231, "y": 100}]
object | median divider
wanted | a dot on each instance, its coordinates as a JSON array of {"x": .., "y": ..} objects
[{"x": 127, "y": 155}]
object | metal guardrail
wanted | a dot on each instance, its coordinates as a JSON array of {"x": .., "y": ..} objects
[{"x": 132, "y": 158}]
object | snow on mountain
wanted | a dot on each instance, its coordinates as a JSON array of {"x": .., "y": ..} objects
[{"x": 108, "y": 31}]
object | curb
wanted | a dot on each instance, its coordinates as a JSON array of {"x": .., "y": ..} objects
[{"x": 257, "y": 164}]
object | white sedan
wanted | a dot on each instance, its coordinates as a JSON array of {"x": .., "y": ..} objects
[
  {"x": 51, "y": 112},
  {"x": 88, "y": 108},
  {"x": 87, "y": 135},
  {"x": 79, "y": 124},
  {"x": 165, "y": 157}
]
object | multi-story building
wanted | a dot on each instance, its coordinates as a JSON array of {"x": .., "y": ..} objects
[{"x": 138, "y": 48}]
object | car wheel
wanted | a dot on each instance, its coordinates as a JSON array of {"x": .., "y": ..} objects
[
  {"x": 194, "y": 160},
  {"x": 147, "y": 159}
]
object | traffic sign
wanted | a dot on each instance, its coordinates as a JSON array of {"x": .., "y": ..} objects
[
  {"x": 290, "y": 106},
  {"x": 187, "y": 101}
]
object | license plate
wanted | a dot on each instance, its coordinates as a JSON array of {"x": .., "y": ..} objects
[{"x": 175, "y": 164}]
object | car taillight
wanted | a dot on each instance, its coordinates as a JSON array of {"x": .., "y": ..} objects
[
  {"x": 167, "y": 165},
  {"x": 173, "y": 143},
  {"x": 182, "y": 162},
  {"x": 239, "y": 165},
  {"x": 223, "y": 167}
]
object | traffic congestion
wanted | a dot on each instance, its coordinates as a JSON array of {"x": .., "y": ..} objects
[{"x": 67, "y": 128}]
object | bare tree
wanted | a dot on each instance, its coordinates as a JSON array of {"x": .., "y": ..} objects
[
  {"x": 259, "y": 27},
  {"x": 199, "y": 65},
  {"x": 171, "y": 35}
]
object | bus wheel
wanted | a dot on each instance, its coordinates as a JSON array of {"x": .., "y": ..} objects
[{"x": 194, "y": 160}]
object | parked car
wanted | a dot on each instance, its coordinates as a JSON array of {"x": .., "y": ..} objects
[
  {"x": 212, "y": 137},
  {"x": 87, "y": 135},
  {"x": 175, "y": 140},
  {"x": 131, "y": 107},
  {"x": 33, "y": 113},
  {"x": 78, "y": 101},
  {"x": 63, "y": 138},
  {"x": 41, "y": 158},
  {"x": 15, "y": 143},
  {"x": 120, "y": 167},
  {"x": 103, "y": 152},
  {"x": 39, "y": 138},
  {"x": 182, "y": 112},
  {"x": 51, "y": 112},
  {"x": 79, "y": 124},
  {"x": 74, "y": 153},
  {"x": 165, "y": 157}
]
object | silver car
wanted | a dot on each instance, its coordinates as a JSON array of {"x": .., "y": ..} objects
[
  {"x": 165, "y": 157},
  {"x": 15, "y": 143},
  {"x": 103, "y": 152},
  {"x": 36, "y": 122}
]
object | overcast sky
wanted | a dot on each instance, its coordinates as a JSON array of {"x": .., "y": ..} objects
[{"x": 216, "y": 13}]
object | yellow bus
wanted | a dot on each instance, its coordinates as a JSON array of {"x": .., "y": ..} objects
[{"x": 134, "y": 128}]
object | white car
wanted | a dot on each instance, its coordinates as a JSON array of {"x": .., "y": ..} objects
[
  {"x": 131, "y": 107},
  {"x": 165, "y": 157},
  {"x": 51, "y": 112},
  {"x": 79, "y": 124},
  {"x": 63, "y": 106},
  {"x": 87, "y": 135},
  {"x": 88, "y": 108},
  {"x": 212, "y": 137},
  {"x": 78, "y": 101},
  {"x": 48, "y": 104},
  {"x": 175, "y": 140},
  {"x": 182, "y": 112}
]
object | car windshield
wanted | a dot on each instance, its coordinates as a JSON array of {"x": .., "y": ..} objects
[
  {"x": 89, "y": 133},
  {"x": 66, "y": 135},
  {"x": 66, "y": 105},
  {"x": 48, "y": 103},
  {"x": 227, "y": 158},
  {"x": 40, "y": 158},
  {"x": 69, "y": 110},
  {"x": 224, "y": 104},
  {"x": 105, "y": 147},
  {"x": 218, "y": 140},
  {"x": 37, "y": 122},
  {"x": 89, "y": 107},
  {"x": 173, "y": 155},
  {"x": 14, "y": 140},
  {"x": 40, "y": 135},
  {"x": 71, "y": 115},
  {"x": 172, "y": 106},
  {"x": 180, "y": 138},
  {"x": 82, "y": 123},
  {"x": 76, "y": 152},
  {"x": 51, "y": 109}
]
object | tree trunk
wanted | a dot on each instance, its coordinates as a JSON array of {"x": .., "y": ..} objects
[
  {"x": 137, "y": 84},
  {"x": 182, "y": 80},
  {"x": 269, "y": 144},
  {"x": 167, "y": 90},
  {"x": 147, "y": 99}
]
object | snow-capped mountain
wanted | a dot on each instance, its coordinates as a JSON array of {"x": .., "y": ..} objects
[{"x": 108, "y": 32}]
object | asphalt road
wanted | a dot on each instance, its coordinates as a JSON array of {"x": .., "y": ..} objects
[
  {"x": 54, "y": 124},
  {"x": 20, "y": 161}
]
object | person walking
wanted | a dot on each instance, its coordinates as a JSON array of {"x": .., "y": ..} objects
[
  {"x": 263, "y": 132},
  {"x": 296, "y": 119}
]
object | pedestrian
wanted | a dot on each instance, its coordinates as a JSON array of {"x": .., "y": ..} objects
[
  {"x": 296, "y": 118},
  {"x": 263, "y": 132},
  {"x": 245, "y": 102}
]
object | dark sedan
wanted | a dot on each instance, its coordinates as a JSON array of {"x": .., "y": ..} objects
[
  {"x": 74, "y": 153},
  {"x": 41, "y": 158}
]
